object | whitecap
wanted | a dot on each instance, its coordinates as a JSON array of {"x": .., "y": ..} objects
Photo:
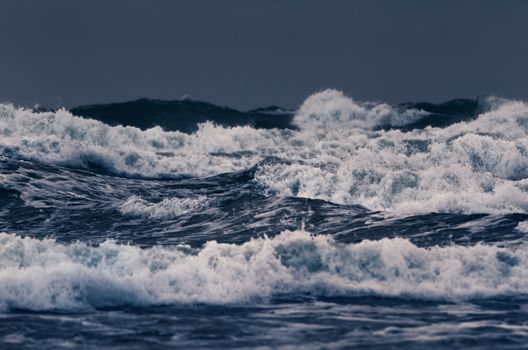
[
  {"x": 167, "y": 208},
  {"x": 47, "y": 275}
]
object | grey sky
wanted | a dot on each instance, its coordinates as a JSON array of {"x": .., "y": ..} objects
[{"x": 245, "y": 53}]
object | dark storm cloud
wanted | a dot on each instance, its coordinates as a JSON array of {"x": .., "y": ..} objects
[{"x": 250, "y": 53}]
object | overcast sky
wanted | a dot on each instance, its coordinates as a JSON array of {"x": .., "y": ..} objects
[{"x": 245, "y": 53}]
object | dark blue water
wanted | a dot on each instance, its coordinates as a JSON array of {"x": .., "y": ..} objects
[{"x": 349, "y": 229}]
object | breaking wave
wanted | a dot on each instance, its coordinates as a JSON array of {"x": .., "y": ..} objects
[
  {"x": 342, "y": 151},
  {"x": 46, "y": 275},
  {"x": 167, "y": 208},
  {"x": 331, "y": 109}
]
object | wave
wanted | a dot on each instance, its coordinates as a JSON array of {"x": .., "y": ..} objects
[
  {"x": 64, "y": 139},
  {"x": 445, "y": 114},
  {"x": 167, "y": 208},
  {"x": 342, "y": 151},
  {"x": 331, "y": 109},
  {"x": 47, "y": 275},
  {"x": 183, "y": 115},
  {"x": 186, "y": 114},
  {"x": 475, "y": 166}
]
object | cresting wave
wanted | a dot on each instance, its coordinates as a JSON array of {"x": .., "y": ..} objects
[
  {"x": 338, "y": 153},
  {"x": 167, "y": 208},
  {"x": 46, "y": 275}
]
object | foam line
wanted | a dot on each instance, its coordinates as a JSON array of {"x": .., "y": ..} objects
[{"x": 46, "y": 275}]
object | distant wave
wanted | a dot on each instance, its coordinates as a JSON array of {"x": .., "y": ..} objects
[
  {"x": 340, "y": 150},
  {"x": 331, "y": 110},
  {"x": 46, "y": 275},
  {"x": 183, "y": 115}
]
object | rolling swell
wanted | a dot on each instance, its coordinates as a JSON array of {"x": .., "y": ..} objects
[
  {"x": 40, "y": 200},
  {"x": 183, "y": 115}
]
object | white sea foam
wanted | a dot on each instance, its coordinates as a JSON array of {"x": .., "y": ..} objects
[
  {"x": 167, "y": 208},
  {"x": 44, "y": 275},
  {"x": 475, "y": 166},
  {"x": 336, "y": 155},
  {"x": 331, "y": 109},
  {"x": 522, "y": 226},
  {"x": 61, "y": 138}
]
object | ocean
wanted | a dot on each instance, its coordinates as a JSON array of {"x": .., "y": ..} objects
[{"x": 341, "y": 224}]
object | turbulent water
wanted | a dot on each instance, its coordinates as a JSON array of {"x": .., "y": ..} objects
[{"x": 342, "y": 224}]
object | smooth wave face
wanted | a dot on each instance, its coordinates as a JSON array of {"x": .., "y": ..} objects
[
  {"x": 338, "y": 154},
  {"x": 183, "y": 115},
  {"x": 43, "y": 274}
]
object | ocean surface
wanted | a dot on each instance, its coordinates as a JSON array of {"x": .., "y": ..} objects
[{"x": 341, "y": 224}]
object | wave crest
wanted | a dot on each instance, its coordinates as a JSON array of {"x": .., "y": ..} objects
[
  {"x": 167, "y": 208},
  {"x": 331, "y": 109},
  {"x": 44, "y": 275}
]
